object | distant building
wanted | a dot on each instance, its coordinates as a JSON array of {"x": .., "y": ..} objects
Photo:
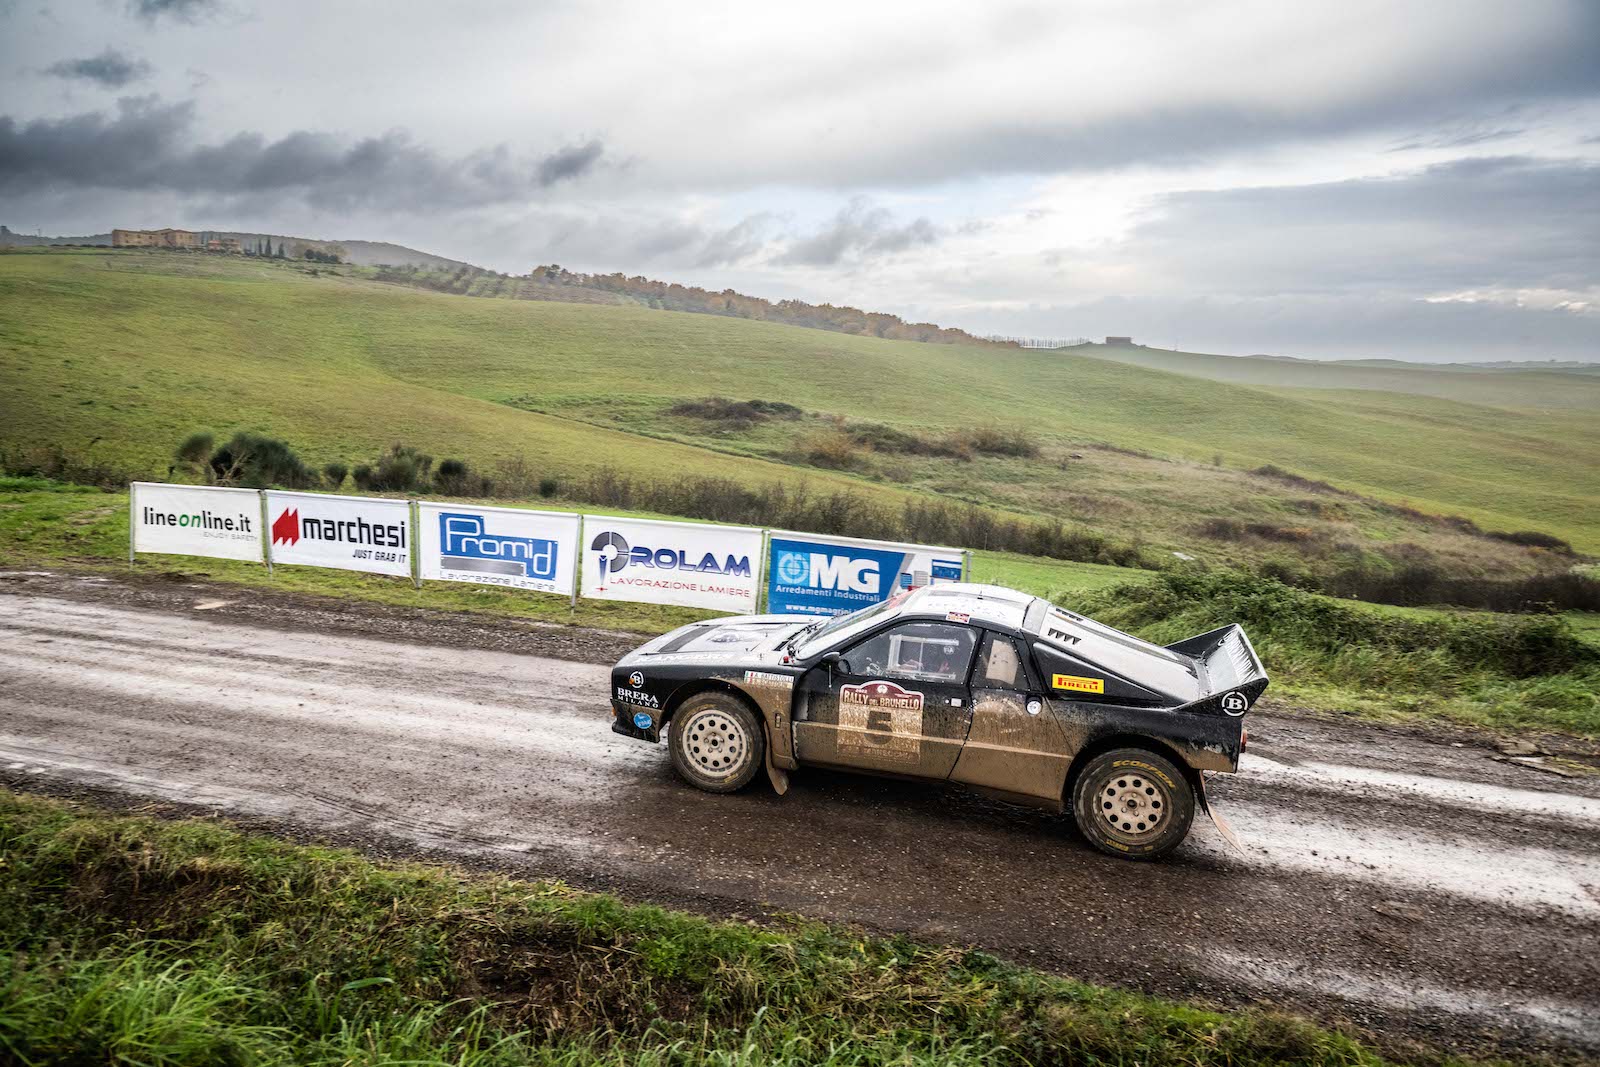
[
  {"x": 1119, "y": 340},
  {"x": 168, "y": 238},
  {"x": 224, "y": 244}
]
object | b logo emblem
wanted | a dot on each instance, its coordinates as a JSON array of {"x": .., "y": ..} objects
[
  {"x": 636, "y": 679},
  {"x": 1235, "y": 703}
]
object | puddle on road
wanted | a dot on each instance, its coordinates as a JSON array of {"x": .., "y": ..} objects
[
  {"x": 1474, "y": 868},
  {"x": 1579, "y": 1023},
  {"x": 1477, "y": 796}
]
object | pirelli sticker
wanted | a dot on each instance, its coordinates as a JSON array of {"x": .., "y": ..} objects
[{"x": 1075, "y": 684}]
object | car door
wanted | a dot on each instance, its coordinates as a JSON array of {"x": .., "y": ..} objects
[
  {"x": 896, "y": 701},
  {"x": 1016, "y": 743}
]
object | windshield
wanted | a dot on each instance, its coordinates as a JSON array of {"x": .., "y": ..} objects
[{"x": 813, "y": 637}]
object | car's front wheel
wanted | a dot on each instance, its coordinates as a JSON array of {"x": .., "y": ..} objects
[
  {"x": 1133, "y": 803},
  {"x": 716, "y": 742}
]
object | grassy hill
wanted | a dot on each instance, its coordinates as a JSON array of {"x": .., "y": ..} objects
[
  {"x": 1557, "y": 387},
  {"x": 131, "y": 350}
]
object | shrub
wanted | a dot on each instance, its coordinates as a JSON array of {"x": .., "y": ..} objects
[
  {"x": 58, "y": 465},
  {"x": 741, "y": 414},
  {"x": 1532, "y": 539},
  {"x": 257, "y": 461},
  {"x": 402, "y": 469},
  {"x": 832, "y": 448},
  {"x": 549, "y": 487},
  {"x": 335, "y": 474},
  {"x": 196, "y": 449},
  {"x": 997, "y": 441}
]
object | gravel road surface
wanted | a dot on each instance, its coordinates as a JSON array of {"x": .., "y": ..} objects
[{"x": 1413, "y": 888}]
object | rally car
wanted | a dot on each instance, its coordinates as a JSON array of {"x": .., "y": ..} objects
[{"x": 996, "y": 690}]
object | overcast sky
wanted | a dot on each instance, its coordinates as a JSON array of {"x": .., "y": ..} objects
[{"x": 1336, "y": 180}]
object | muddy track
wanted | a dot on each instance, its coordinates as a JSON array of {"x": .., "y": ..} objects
[{"x": 1415, "y": 888}]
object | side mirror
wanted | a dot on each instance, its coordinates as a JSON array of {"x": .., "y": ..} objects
[{"x": 833, "y": 660}]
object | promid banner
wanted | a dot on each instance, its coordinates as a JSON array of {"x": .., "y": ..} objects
[
  {"x": 352, "y": 533},
  {"x": 509, "y": 547},
  {"x": 808, "y": 574},
  {"x": 693, "y": 565},
  {"x": 196, "y": 520}
]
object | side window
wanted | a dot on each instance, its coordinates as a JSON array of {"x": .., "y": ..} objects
[
  {"x": 919, "y": 651},
  {"x": 1000, "y": 665}
]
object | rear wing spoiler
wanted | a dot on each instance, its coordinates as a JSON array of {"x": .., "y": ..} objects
[{"x": 1230, "y": 671}]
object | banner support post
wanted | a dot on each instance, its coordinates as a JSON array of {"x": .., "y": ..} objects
[
  {"x": 133, "y": 517},
  {"x": 966, "y": 564},
  {"x": 414, "y": 512},
  {"x": 266, "y": 531},
  {"x": 762, "y": 601},
  {"x": 577, "y": 560}
]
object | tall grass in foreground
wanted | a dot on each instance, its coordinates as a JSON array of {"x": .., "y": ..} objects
[{"x": 135, "y": 941}]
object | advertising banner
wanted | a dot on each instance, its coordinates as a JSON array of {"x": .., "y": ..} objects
[
  {"x": 808, "y": 574},
  {"x": 352, "y": 533},
  {"x": 690, "y": 564},
  {"x": 195, "y": 520},
  {"x": 509, "y": 547}
]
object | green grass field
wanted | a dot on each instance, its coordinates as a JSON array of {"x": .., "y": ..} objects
[
  {"x": 138, "y": 941},
  {"x": 123, "y": 353}
]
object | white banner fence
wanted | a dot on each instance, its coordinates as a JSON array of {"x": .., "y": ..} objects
[{"x": 603, "y": 557}]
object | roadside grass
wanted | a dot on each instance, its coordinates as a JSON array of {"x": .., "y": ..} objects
[
  {"x": 1501, "y": 672},
  {"x": 123, "y": 352},
  {"x": 141, "y": 941}
]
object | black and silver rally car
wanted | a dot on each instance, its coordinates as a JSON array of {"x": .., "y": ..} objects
[{"x": 994, "y": 689}]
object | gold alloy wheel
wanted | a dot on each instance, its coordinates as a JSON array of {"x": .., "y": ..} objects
[{"x": 1133, "y": 805}]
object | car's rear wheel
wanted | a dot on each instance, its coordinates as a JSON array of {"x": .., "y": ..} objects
[
  {"x": 716, "y": 742},
  {"x": 1133, "y": 803}
]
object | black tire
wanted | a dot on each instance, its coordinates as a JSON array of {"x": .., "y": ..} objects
[
  {"x": 716, "y": 742},
  {"x": 1133, "y": 803}
]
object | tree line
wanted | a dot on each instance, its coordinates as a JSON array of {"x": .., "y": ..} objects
[{"x": 841, "y": 319}]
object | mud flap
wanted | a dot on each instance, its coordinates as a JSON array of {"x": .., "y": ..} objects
[
  {"x": 1217, "y": 820},
  {"x": 778, "y": 776}
]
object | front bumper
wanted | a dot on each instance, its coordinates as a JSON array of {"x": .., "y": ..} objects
[{"x": 626, "y": 719}]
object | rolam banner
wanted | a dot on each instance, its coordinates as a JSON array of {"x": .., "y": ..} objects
[
  {"x": 195, "y": 520},
  {"x": 808, "y": 574},
  {"x": 510, "y": 547},
  {"x": 353, "y": 533},
  {"x": 694, "y": 565}
]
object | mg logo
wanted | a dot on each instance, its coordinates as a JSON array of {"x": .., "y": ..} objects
[{"x": 819, "y": 570}]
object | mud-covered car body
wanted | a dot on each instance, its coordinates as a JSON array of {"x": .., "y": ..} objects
[{"x": 973, "y": 684}]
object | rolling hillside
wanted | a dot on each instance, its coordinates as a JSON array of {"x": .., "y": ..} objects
[
  {"x": 1555, "y": 388},
  {"x": 133, "y": 350}
]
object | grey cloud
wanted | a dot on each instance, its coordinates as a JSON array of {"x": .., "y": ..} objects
[
  {"x": 110, "y": 69},
  {"x": 147, "y": 145},
  {"x": 569, "y": 162},
  {"x": 1507, "y": 222},
  {"x": 190, "y": 11},
  {"x": 860, "y": 230},
  {"x": 737, "y": 243}
]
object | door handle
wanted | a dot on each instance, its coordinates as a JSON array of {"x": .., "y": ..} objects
[{"x": 955, "y": 702}]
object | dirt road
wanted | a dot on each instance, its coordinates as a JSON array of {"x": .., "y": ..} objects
[{"x": 1412, "y": 888}]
